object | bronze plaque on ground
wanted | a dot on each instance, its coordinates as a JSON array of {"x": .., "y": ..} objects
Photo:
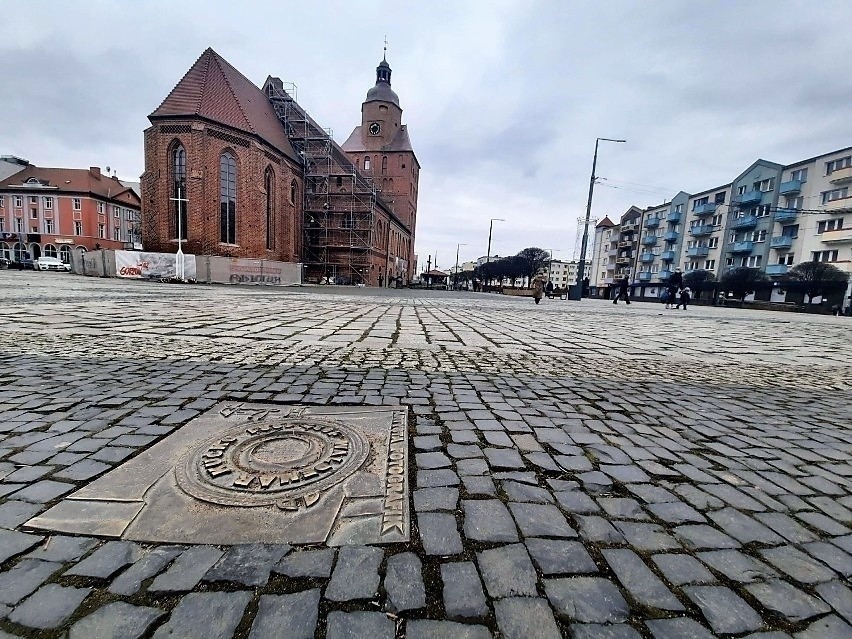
[{"x": 244, "y": 473}]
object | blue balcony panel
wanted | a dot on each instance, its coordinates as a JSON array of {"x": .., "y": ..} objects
[
  {"x": 741, "y": 247},
  {"x": 698, "y": 251},
  {"x": 664, "y": 275},
  {"x": 649, "y": 241},
  {"x": 652, "y": 222},
  {"x": 776, "y": 269},
  {"x": 704, "y": 209},
  {"x": 671, "y": 236},
  {"x": 786, "y": 215},
  {"x": 781, "y": 242},
  {"x": 701, "y": 229},
  {"x": 674, "y": 217},
  {"x": 747, "y": 222},
  {"x": 667, "y": 256},
  {"x": 793, "y": 186},
  {"x": 646, "y": 258},
  {"x": 752, "y": 197},
  {"x": 644, "y": 276}
]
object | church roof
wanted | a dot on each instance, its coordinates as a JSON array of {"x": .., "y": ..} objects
[
  {"x": 401, "y": 142},
  {"x": 382, "y": 93},
  {"x": 214, "y": 90},
  {"x": 605, "y": 223}
]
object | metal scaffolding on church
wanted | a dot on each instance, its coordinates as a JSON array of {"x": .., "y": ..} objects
[{"x": 339, "y": 202}]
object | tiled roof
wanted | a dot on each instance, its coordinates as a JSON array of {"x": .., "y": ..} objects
[
  {"x": 401, "y": 142},
  {"x": 214, "y": 90},
  {"x": 70, "y": 180},
  {"x": 605, "y": 223}
]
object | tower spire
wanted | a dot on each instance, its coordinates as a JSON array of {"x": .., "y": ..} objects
[{"x": 385, "y": 54}]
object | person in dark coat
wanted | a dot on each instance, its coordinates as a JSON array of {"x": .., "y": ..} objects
[
  {"x": 623, "y": 290},
  {"x": 674, "y": 285},
  {"x": 549, "y": 289},
  {"x": 685, "y": 295}
]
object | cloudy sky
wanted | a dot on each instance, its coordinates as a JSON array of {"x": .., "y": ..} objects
[{"x": 503, "y": 99}]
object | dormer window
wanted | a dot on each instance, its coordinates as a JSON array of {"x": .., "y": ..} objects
[{"x": 33, "y": 180}]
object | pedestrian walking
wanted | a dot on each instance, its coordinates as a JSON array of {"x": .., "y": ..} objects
[
  {"x": 685, "y": 294},
  {"x": 549, "y": 289},
  {"x": 538, "y": 290},
  {"x": 674, "y": 285},
  {"x": 623, "y": 291}
]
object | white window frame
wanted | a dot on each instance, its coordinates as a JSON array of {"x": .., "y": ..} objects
[
  {"x": 78, "y": 228},
  {"x": 49, "y": 228},
  {"x": 18, "y": 201},
  {"x": 76, "y": 204},
  {"x": 48, "y": 203},
  {"x": 100, "y": 207}
]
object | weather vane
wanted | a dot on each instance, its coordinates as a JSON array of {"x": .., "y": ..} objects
[{"x": 386, "y": 47}]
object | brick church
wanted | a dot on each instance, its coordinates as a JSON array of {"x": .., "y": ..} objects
[{"x": 238, "y": 171}]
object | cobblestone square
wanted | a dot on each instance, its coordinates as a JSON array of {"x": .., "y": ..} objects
[{"x": 576, "y": 469}]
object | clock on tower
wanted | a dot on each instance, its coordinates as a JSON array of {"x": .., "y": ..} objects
[{"x": 375, "y": 128}]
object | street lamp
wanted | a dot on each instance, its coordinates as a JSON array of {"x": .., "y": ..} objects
[
  {"x": 581, "y": 267},
  {"x": 490, "y": 228},
  {"x": 456, "y": 272}
]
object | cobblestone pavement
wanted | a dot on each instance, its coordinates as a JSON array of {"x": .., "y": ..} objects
[{"x": 578, "y": 469}]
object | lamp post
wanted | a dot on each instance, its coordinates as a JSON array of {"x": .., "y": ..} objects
[
  {"x": 456, "y": 272},
  {"x": 491, "y": 228},
  {"x": 581, "y": 267}
]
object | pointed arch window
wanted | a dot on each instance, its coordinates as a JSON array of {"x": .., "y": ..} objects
[
  {"x": 269, "y": 184},
  {"x": 384, "y": 164},
  {"x": 366, "y": 162},
  {"x": 293, "y": 192},
  {"x": 180, "y": 210},
  {"x": 227, "y": 199}
]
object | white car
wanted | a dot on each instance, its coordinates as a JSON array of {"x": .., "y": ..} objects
[{"x": 51, "y": 264}]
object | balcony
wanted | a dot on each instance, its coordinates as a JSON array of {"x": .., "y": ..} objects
[
  {"x": 671, "y": 236},
  {"x": 625, "y": 243},
  {"x": 781, "y": 242},
  {"x": 701, "y": 229},
  {"x": 841, "y": 176},
  {"x": 786, "y": 215},
  {"x": 622, "y": 260},
  {"x": 664, "y": 275},
  {"x": 840, "y": 235},
  {"x": 788, "y": 188},
  {"x": 612, "y": 252},
  {"x": 652, "y": 222},
  {"x": 698, "y": 251},
  {"x": 667, "y": 256},
  {"x": 645, "y": 276},
  {"x": 704, "y": 209},
  {"x": 752, "y": 197},
  {"x": 674, "y": 217},
  {"x": 629, "y": 227},
  {"x": 843, "y": 204},
  {"x": 776, "y": 269},
  {"x": 649, "y": 240},
  {"x": 646, "y": 258},
  {"x": 740, "y": 247},
  {"x": 747, "y": 222}
]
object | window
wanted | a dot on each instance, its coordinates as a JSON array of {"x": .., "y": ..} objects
[
  {"x": 348, "y": 221},
  {"x": 339, "y": 181},
  {"x": 830, "y": 225},
  {"x": 2, "y": 224},
  {"x": 49, "y": 227},
  {"x": 129, "y": 237},
  {"x": 116, "y": 211},
  {"x": 764, "y": 185},
  {"x": 754, "y": 261},
  {"x": 228, "y": 199},
  {"x": 34, "y": 200},
  {"x": 48, "y": 203},
  {"x": 790, "y": 230},
  {"x": 384, "y": 164},
  {"x": 19, "y": 225},
  {"x": 758, "y": 236},
  {"x": 836, "y": 165},
  {"x": 78, "y": 228},
  {"x": 76, "y": 204},
  {"x": 50, "y": 250},
  {"x": 34, "y": 214},
  {"x": 729, "y": 261},
  {"x": 741, "y": 190},
  {"x": 713, "y": 242},
  {"x": 691, "y": 266},
  {"x": 709, "y": 265},
  {"x": 269, "y": 207},
  {"x": 128, "y": 215},
  {"x": 18, "y": 201},
  {"x": 719, "y": 198},
  {"x": 100, "y": 207},
  {"x": 699, "y": 202},
  {"x": 180, "y": 223},
  {"x": 102, "y": 231},
  {"x": 800, "y": 174},
  {"x": 824, "y": 256},
  {"x": 787, "y": 259},
  {"x": 678, "y": 208},
  {"x": 366, "y": 162},
  {"x": 116, "y": 234},
  {"x": 836, "y": 194},
  {"x": 795, "y": 202},
  {"x": 293, "y": 192},
  {"x": 2, "y": 201},
  {"x": 716, "y": 221},
  {"x": 762, "y": 210}
]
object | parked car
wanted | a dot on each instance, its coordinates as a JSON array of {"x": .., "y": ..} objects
[
  {"x": 27, "y": 263},
  {"x": 51, "y": 264},
  {"x": 5, "y": 262}
]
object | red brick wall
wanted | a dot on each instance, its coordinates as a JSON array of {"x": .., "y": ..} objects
[{"x": 203, "y": 151}]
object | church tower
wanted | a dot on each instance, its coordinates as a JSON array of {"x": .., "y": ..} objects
[{"x": 381, "y": 149}]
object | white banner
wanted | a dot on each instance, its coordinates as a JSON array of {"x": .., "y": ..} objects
[{"x": 140, "y": 265}]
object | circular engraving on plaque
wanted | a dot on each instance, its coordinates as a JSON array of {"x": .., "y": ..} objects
[{"x": 287, "y": 462}]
